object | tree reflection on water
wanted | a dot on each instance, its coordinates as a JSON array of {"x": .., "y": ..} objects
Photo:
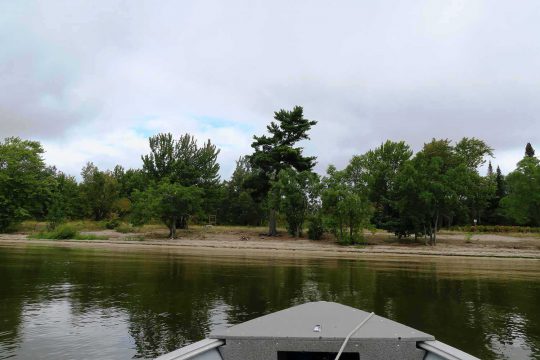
[{"x": 145, "y": 304}]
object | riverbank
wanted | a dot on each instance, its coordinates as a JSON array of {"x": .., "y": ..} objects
[{"x": 232, "y": 240}]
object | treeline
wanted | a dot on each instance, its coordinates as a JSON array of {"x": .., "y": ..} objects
[{"x": 389, "y": 187}]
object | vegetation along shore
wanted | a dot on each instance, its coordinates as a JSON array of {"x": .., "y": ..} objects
[{"x": 387, "y": 200}]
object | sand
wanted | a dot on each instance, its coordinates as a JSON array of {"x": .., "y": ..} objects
[{"x": 241, "y": 241}]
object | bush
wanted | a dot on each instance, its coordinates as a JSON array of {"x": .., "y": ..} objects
[
  {"x": 112, "y": 223},
  {"x": 64, "y": 232},
  {"x": 61, "y": 232},
  {"x": 315, "y": 228},
  {"x": 346, "y": 239}
]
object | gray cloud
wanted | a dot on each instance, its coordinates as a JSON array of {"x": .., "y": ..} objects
[{"x": 367, "y": 71}]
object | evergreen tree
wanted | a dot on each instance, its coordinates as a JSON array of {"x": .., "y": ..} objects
[
  {"x": 238, "y": 206},
  {"x": 277, "y": 151},
  {"x": 529, "y": 150},
  {"x": 181, "y": 161},
  {"x": 490, "y": 170}
]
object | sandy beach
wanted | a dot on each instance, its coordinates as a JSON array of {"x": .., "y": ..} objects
[{"x": 238, "y": 240}]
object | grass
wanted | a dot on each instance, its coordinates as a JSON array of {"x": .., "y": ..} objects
[{"x": 65, "y": 232}]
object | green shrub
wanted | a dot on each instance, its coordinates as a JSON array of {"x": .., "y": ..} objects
[
  {"x": 64, "y": 232},
  {"x": 315, "y": 228},
  {"x": 112, "y": 223},
  {"x": 61, "y": 232}
]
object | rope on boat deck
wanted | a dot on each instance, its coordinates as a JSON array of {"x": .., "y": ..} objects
[{"x": 351, "y": 334}]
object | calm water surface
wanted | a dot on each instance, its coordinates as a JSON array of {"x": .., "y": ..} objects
[{"x": 60, "y": 303}]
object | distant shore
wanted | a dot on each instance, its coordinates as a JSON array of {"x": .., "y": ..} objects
[{"x": 237, "y": 240}]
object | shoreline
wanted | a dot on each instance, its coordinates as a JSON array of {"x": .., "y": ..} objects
[{"x": 279, "y": 248}]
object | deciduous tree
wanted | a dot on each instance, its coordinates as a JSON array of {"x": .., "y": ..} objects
[{"x": 25, "y": 182}]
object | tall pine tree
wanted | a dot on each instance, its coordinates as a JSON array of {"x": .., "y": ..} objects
[
  {"x": 529, "y": 150},
  {"x": 277, "y": 151}
]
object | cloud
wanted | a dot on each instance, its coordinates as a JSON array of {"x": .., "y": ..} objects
[{"x": 93, "y": 79}]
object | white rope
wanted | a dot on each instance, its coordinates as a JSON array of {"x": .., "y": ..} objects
[{"x": 351, "y": 334}]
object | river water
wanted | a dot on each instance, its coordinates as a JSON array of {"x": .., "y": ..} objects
[{"x": 66, "y": 303}]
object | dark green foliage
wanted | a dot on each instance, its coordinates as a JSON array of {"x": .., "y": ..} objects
[
  {"x": 522, "y": 204},
  {"x": 439, "y": 184},
  {"x": 237, "y": 205},
  {"x": 61, "y": 232},
  {"x": 65, "y": 232},
  {"x": 25, "y": 183},
  {"x": 99, "y": 191},
  {"x": 376, "y": 171},
  {"x": 295, "y": 194},
  {"x": 186, "y": 163},
  {"x": 171, "y": 203},
  {"x": 65, "y": 200},
  {"x": 129, "y": 181},
  {"x": 493, "y": 213},
  {"x": 346, "y": 207},
  {"x": 277, "y": 151},
  {"x": 411, "y": 196},
  {"x": 529, "y": 150},
  {"x": 315, "y": 227},
  {"x": 181, "y": 161}
]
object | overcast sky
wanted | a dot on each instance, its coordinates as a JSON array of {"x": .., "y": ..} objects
[{"x": 93, "y": 79}]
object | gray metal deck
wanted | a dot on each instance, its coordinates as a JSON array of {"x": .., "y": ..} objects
[
  {"x": 319, "y": 328},
  {"x": 335, "y": 320},
  {"x": 292, "y": 330}
]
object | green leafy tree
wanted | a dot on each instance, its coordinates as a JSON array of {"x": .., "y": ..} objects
[
  {"x": 129, "y": 180},
  {"x": 65, "y": 201},
  {"x": 99, "y": 191},
  {"x": 439, "y": 183},
  {"x": 346, "y": 209},
  {"x": 278, "y": 151},
  {"x": 186, "y": 163},
  {"x": 522, "y": 204},
  {"x": 376, "y": 171},
  {"x": 25, "y": 182},
  {"x": 169, "y": 202},
  {"x": 296, "y": 195}
]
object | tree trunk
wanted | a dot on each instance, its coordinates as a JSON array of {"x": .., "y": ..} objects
[
  {"x": 435, "y": 230},
  {"x": 351, "y": 231},
  {"x": 272, "y": 230},
  {"x": 173, "y": 228}
]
